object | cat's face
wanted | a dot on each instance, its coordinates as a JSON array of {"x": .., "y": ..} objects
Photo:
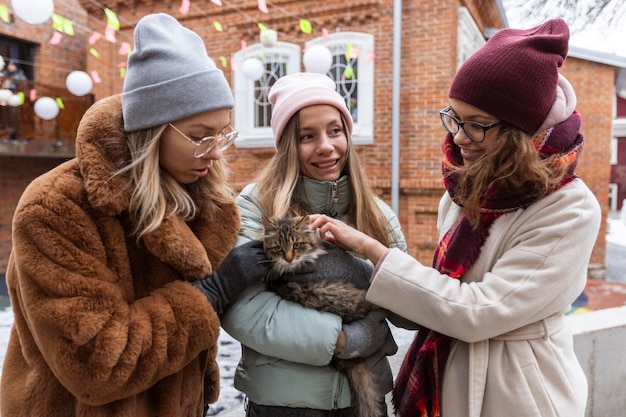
[{"x": 290, "y": 242}]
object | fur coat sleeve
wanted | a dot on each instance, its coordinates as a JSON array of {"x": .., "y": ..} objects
[{"x": 106, "y": 325}]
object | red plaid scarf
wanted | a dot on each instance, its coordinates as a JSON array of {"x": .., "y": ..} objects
[{"x": 417, "y": 390}]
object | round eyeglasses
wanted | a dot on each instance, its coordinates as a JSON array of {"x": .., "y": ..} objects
[
  {"x": 208, "y": 143},
  {"x": 473, "y": 130}
]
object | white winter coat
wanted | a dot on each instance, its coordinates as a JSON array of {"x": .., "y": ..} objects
[{"x": 514, "y": 354}]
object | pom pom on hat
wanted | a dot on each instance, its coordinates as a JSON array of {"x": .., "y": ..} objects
[
  {"x": 169, "y": 75},
  {"x": 296, "y": 91},
  {"x": 514, "y": 76}
]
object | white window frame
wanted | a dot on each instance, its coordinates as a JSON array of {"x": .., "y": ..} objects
[
  {"x": 363, "y": 129},
  {"x": 243, "y": 91},
  {"x": 469, "y": 37}
]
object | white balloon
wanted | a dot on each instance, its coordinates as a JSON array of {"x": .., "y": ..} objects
[
  {"x": 252, "y": 68},
  {"x": 14, "y": 100},
  {"x": 318, "y": 59},
  {"x": 5, "y": 95},
  {"x": 79, "y": 83},
  {"x": 46, "y": 108},
  {"x": 34, "y": 12}
]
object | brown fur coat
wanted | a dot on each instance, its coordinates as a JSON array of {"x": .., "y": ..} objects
[{"x": 104, "y": 326}]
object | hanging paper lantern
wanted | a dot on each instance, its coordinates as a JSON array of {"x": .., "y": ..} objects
[
  {"x": 34, "y": 12},
  {"x": 318, "y": 59},
  {"x": 14, "y": 100},
  {"x": 46, "y": 108},
  {"x": 79, "y": 83},
  {"x": 269, "y": 37},
  {"x": 252, "y": 68}
]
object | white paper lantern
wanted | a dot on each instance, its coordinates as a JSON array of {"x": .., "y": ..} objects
[
  {"x": 252, "y": 68},
  {"x": 79, "y": 83},
  {"x": 34, "y": 12},
  {"x": 14, "y": 100},
  {"x": 269, "y": 37},
  {"x": 318, "y": 59},
  {"x": 5, "y": 95},
  {"x": 46, "y": 108}
]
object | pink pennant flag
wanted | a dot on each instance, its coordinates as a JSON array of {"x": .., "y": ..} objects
[
  {"x": 244, "y": 45},
  {"x": 262, "y": 6},
  {"x": 370, "y": 55},
  {"x": 56, "y": 38},
  {"x": 124, "y": 49},
  {"x": 109, "y": 34},
  {"x": 233, "y": 64},
  {"x": 184, "y": 6},
  {"x": 354, "y": 53},
  {"x": 94, "y": 38},
  {"x": 218, "y": 2},
  {"x": 95, "y": 76},
  {"x": 121, "y": 64},
  {"x": 325, "y": 34},
  {"x": 32, "y": 95}
]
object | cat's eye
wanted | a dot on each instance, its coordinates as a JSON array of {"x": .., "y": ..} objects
[
  {"x": 296, "y": 245},
  {"x": 277, "y": 249}
]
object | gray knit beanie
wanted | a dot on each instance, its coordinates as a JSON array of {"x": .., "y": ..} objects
[{"x": 170, "y": 76}]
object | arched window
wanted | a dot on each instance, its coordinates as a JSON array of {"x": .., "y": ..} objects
[{"x": 252, "y": 108}]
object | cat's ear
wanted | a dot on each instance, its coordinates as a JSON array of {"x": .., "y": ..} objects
[{"x": 301, "y": 221}]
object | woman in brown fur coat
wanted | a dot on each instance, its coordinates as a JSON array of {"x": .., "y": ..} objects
[{"x": 106, "y": 248}]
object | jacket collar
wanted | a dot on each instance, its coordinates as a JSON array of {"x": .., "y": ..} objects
[{"x": 327, "y": 197}]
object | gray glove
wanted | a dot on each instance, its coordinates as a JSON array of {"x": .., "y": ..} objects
[
  {"x": 336, "y": 265},
  {"x": 365, "y": 336},
  {"x": 243, "y": 266}
]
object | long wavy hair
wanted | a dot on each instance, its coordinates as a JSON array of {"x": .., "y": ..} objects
[
  {"x": 279, "y": 179},
  {"x": 157, "y": 195},
  {"x": 512, "y": 162}
]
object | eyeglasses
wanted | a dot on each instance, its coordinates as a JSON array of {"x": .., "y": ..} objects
[
  {"x": 208, "y": 143},
  {"x": 473, "y": 130}
]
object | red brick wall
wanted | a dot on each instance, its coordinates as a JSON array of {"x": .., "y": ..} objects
[{"x": 428, "y": 63}]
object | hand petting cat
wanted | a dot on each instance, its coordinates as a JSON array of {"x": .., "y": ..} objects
[{"x": 347, "y": 237}]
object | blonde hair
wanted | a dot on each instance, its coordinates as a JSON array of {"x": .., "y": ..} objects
[
  {"x": 278, "y": 183},
  {"x": 157, "y": 195},
  {"x": 513, "y": 162}
]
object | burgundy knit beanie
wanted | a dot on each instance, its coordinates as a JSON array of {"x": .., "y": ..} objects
[{"x": 514, "y": 75}]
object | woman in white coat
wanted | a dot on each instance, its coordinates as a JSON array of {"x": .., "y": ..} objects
[{"x": 517, "y": 227}]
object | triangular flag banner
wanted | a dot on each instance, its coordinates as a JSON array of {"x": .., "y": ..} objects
[
  {"x": 348, "y": 72},
  {"x": 112, "y": 20},
  {"x": 325, "y": 34},
  {"x": 124, "y": 49},
  {"x": 68, "y": 27},
  {"x": 94, "y": 38},
  {"x": 305, "y": 26},
  {"x": 223, "y": 61},
  {"x": 218, "y": 2},
  {"x": 95, "y": 76},
  {"x": 57, "y": 22},
  {"x": 122, "y": 72},
  {"x": 262, "y": 27},
  {"x": 4, "y": 13},
  {"x": 233, "y": 64},
  {"x": 244, "y": 45},
  {"x": 370, "y": 55},
  {"x": 109, "y": 34},
  {"x": 59, "y": 101},
  {"x": 94, "y": 52},
  {"x": 218, "y": 26},
  {"x": 184, "y": 7},
  {"x": 32, "y": 95},
  {"x": 262, "y": 6},
  {"x": 349, "y": 52},
  {"x": 56, "y": 38},
  {"x": 20, "y": 95}
]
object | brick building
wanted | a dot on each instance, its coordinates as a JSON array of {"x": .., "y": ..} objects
[{"x": 399, "y": 136}]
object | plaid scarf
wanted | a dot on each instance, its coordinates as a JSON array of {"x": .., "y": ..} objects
[{"x": 417, "y": 390}]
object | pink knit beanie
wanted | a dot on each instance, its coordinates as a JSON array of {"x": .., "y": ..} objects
[
  {"x": 296, "y": 91},
  {"x": 514, "y": 76}
]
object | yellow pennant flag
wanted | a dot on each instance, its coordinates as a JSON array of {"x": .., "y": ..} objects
[{"x": 112, "y": 20}]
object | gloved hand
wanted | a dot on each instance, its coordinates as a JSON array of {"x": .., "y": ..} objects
[
  {"x": 244, "y": 265},
  {"x": 365, "y": 336},
  {"x": 336, "y": 265}
]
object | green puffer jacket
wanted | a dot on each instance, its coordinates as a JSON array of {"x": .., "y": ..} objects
[{"x": 287, "y": 348}]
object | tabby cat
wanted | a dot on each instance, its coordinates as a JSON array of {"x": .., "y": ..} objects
[{"x": 291, "y": 242}]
